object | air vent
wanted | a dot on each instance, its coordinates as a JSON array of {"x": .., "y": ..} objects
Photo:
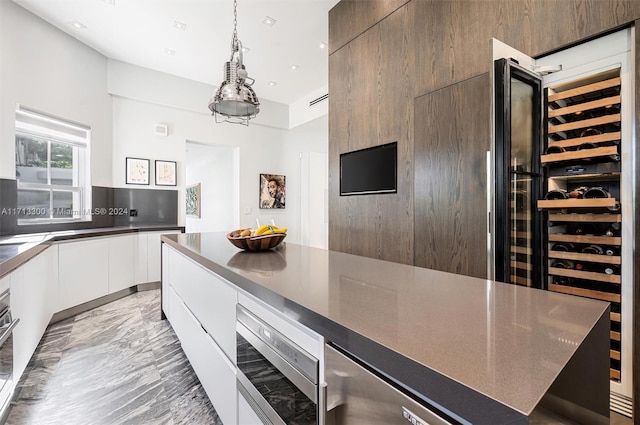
[{"x": 318, "y": 100}]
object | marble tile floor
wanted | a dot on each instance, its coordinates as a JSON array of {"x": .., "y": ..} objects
[{"x": 115, "y": 364}]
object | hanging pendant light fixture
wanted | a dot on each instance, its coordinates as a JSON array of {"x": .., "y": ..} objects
[{"x": 235, "y": 101}]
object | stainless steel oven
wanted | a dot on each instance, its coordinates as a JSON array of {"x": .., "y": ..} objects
[
  {"x": 277, "y": 378},
  {"x": 7, "y": 324}
]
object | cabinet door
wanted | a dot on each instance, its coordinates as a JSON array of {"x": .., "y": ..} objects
[
  {"x": 140, "y": 270},
  {"x": 121, "y": 262},
  {"x": 84, "y": 272},
  {"x": 213, "y": 302},
  {"x": 20, "y": 310},
  {"x": 165, "y": 281},
  {"x": 153, "y": 254},
  {"x": 32, "y": 288},
  {"x": 153, "y": 257},
  {"x": 215, "y": 372}
]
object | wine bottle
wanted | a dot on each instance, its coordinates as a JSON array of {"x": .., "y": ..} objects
[
  {"x": 578, "y": 192},
  {"x": 611, "y": 269},
  {"x": 556, "y": 194},
  {"x": 597, "y": 192},
  {"x": 562, "y": 280},
  {"x": 612, "y": 250},
  {"x": 584, "y": 229},
  {"x": 554, "y": 149},
  {"x": 611, "y": 232},
  {"x": 563, "y": 264},
  {"x": 564, "y": 246},
  {"x": 593, "y": 249}
]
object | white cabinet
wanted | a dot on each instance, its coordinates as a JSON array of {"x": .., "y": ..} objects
[
  {"x": 213, "y": 302},
  {"x": 202, "y": 310},
  {"x": 166, "y": 308},
  {"x": 121, "y": 262},
  {"x": 140, "y": 267},
  {"x": 215, "y": 372},
  {"x": 83, "y": 271},
  {"x": 148, "y": 256},
  {"x": 211, "y": 299},
  {"x": 33, "y": 294},
  {"x": 153, "y": 256}
]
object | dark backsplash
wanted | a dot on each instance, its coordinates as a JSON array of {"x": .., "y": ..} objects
[
  {"x": 153, "y": 207},
  {"x": 146, "y": 207}
]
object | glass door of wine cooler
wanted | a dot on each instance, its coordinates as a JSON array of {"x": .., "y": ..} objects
[{"x": 518, "y": 179}]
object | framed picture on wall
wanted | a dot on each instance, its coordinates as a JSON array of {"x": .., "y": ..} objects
[
  {"x": 272, "y": 191},
  {"x": 137, "y": 171},
  {"x": 165, "y": 173},
  {"x": 193, "y": 200}
]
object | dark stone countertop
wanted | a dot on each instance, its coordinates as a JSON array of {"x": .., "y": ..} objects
[
  {"x": 18, "y": 249},
  {"x": 487, "y": 351}
]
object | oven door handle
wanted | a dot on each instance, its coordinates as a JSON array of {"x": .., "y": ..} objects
[
  {"x": 7, "y": 330},
  {"x": 258, "y": 404},
  {"x": 291, "y": 373}
]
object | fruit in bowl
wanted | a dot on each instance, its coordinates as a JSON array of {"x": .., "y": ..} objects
[{"x": 264, "y": 237}]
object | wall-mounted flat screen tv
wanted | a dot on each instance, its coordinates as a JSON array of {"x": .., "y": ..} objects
[{"x": 370, "y": 170}]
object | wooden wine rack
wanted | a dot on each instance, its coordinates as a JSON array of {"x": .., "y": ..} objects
[{"x": 573, "y": 114}]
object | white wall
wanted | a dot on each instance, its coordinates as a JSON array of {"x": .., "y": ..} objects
[
  {"x": 301, "y": 112},
  {"x": 215, "y": 168},
  {"x": 260, "y": 148},
  {"x": 47, "y": 70}
]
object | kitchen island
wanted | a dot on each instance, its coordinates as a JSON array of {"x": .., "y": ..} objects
[{"x": 474, "y": 350}]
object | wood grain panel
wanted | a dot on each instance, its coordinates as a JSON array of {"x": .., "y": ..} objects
[
  {"x": 452, "y": 134},
  {"x": 452, "y": 40},
  {"x": 454, "y": 35},
  {"x": 560, "y": 23},
  {"x": 373, "y": 112},
  {"x": 350, "y": 18}
]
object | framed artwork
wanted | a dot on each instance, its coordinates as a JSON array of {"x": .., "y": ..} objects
[
  {"x": 137, "y": 171},
  {"x": 272, "y": 191},
  {"x": 193, "y": 200},
  {"x": 165, "y": 173}
]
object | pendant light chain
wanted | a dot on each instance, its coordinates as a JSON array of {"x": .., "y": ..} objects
[{"x": 234, "y": 41}]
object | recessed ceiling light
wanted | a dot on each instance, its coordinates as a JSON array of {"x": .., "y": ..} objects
[
  {"x": 77, "y": 25},
  {"x": 323, "y": 45},
  {"x": 272, "y": 83},
  {"x": 170, "y": 52},
  {"x": 179, "y": 25},
  {"x": 110, "y": 2},
  {"x": 245, "y": 49},
  {"x": 294, "y": 67},
  {"x": 269, "y": 21}
]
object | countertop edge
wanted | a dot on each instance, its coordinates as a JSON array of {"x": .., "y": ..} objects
[{"x": 36, "y": 248}]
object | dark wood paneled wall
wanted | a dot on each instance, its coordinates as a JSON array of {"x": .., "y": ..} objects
[
  {"x": 452, "y": 132},
  {"x": 366, "y": 110},
  {"x": 351, "y": 18},
  {"x": 378, "y": 68}
]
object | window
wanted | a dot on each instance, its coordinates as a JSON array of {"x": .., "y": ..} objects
[{"x": 52, "y": 168}]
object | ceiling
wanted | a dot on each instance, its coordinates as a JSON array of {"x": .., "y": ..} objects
[{"x": 140, "y": 32}]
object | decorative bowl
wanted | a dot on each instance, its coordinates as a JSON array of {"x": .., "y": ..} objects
[{"x": 256, "y": 243}]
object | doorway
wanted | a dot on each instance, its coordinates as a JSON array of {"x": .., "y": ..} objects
[{"x": 214, "y": 170}]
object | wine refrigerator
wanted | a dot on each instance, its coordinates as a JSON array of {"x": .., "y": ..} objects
[{"x": 564, "y": 160}]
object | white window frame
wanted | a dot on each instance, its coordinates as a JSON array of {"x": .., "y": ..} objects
[{"x": 52, "y": 129}]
